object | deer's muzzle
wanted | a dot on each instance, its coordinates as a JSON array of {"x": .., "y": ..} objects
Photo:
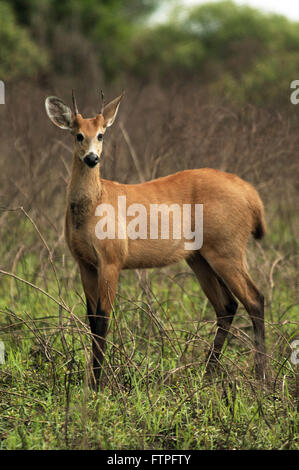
[{"x": 91, "y": 159}]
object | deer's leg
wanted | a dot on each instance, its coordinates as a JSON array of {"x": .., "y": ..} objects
[
  {"x": 89, "y": 277},
  {"x": 99, "y": 287},
  {"x": 107, "y": 286},
  {"x": 222, "y": 300},
  {"x": 234, "y": 273}
]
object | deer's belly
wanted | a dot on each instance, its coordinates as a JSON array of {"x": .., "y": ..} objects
[{"x": 154, "y": 253}]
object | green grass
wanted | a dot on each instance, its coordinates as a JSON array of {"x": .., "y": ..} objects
[{"x": 155, "y": 394}]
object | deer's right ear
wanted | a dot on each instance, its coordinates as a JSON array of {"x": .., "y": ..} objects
[{"x": 59, "y": 113}]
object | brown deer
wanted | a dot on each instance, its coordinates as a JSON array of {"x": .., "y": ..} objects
[{"x": 232, "y": 210}]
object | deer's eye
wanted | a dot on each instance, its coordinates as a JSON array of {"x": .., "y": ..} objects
[
  {"x": 100, "y": 137},
  {"x": 80, "y": 137}
]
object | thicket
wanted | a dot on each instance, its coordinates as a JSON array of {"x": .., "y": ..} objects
[{"x": 235, "y": 51}]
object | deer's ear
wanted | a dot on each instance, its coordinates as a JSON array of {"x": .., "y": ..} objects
[
  {"x": 110, "y": 111},
  {"x": 59, "y": 113}
]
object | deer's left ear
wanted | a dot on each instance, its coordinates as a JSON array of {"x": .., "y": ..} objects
[
  {"x": 110, "y": 111},
  {"x": 59, "y": 113}
]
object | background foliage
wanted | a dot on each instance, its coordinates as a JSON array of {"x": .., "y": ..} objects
[{"x": 238, "y": 51}]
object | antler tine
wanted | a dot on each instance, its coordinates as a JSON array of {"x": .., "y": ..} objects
[
  {"x": 103, "y": 102},
  {"x": 74, "y": 103}
]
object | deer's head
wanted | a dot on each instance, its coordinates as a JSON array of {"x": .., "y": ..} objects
[{"x": 88, "y": 133}]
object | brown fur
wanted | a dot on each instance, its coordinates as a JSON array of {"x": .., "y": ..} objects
[{"x": 232, "y": 210}]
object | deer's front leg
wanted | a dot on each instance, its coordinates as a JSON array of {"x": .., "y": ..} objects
[
  {"x": 107, "y": 285},
  {"x": 99, "y": 287}
]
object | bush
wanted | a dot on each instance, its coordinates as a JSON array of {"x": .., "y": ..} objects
[
  {"x": 239, "y": 51},
  {"x": 20, "y": 57}
]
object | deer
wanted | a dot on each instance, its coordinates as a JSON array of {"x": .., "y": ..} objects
[{"x": 232, "y": 212}]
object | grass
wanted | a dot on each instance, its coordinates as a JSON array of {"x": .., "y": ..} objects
[{"x": 155, "y": 394}]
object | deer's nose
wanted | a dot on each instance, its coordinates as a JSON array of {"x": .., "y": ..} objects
[{"x": 91, "y": 159}]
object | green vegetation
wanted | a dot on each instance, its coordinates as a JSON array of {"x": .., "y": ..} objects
[
  {"x": 107, "y": 27},
  {"x": 155, "y": 394},
  {"x": 236, "y": 51},
  {"x": 20, "y": 57},
  {"x": 239, "y": 51}
]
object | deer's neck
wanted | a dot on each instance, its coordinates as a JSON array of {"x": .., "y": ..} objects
[{"x": 84, "y": 191}]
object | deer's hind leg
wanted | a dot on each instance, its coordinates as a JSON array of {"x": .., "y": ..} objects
[
  {"x": 234, "y": 272},
  {"x": 222, "y": 300}
]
